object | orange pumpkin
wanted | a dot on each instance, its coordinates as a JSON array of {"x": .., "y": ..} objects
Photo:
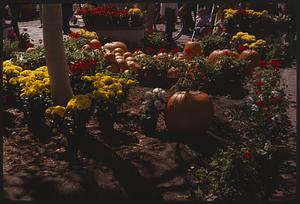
[
  {"x": 122, "y": 64},
  {"x": 113, "y": 45},
  {"x": 127, "y": 54},
  {"x": 192, "y": 49},
  {"x": 216, "y": 54},
  {"x": 95, "y": 44},
  {"x": 253, "y": 59},
  {"x": 129, "y": 59},
  {"x": 109, "y": 58},
  {"x": 118, "y": 50},
  {"x": 173, "y": 73},
  {"x": 86, "y": 47},
  {"x": 189, "y": 113}
]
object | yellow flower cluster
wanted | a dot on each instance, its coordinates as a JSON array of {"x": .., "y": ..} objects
[
  {"x": 56, "y": 110},
  {"x": 256, "y": 13},
  {"x": 32, "y": 82},
  {"x": 108, "y": 87},
  {"x": 258, "y": 44},
  {"x": 87, "y": 34},
  {"x": 245, "y": 37},
  {"x": 10, "y": 70},
  {"x": 80, "y": 102},
  {"x": 134, "y": 11},
  {"x": 230, "y": 13}
]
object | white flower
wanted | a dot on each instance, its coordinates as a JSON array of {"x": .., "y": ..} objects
[
  {"x": 157, "y": 90},
  {"x": 267, "y": 145},
  {"x": 275, "y": 93},
  {"x": 143, "y": 108},
  {"x": 254, "y": 107},
  {"x": 159, "y": 105},
  {"x": 162, "y": 94},
  {"x": 260, "y": 97},
  {"x": 250, "y": 98},
  {"x": 276, "y": 117},
  {"x": 148, "y": 95}
]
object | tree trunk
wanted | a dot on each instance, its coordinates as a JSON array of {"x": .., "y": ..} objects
[{"x": 55, "y": 55}]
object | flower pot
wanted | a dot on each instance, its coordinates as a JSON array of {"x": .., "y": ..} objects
[
  {"x": 106, "y": 121},
  {"x": 149, "y": 125}
]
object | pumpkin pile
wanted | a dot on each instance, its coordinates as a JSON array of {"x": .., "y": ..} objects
[{"x": 117, "y": 58}]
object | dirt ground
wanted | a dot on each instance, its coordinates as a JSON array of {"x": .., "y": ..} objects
[{"x": 129, "y": 164}]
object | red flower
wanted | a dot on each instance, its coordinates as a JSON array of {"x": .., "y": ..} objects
[
  {"x": 276, "y": 64},
  {"x": 137, "y": 49},
  {"x": 149, "y": 50},
  {"x": 259, "y": 83},
  {"x": 161, "y": 50},
  {"x": 263, "y": 63},
  {"x": 260, "y": 104},
  {"x": 175, "y": 50},
  {"x": 188, "y": 51},
  {"x": 247, "y": 154},
  {"x": 242, "y": 48},
  {"x": 29, "y": 45},
  {"x": 259, "y": 92},
  {"x": 74, "y": 35},
  {"x": 273, "y": 99}
]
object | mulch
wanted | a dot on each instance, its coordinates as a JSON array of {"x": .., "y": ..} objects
[{"x": 128, "y": 164}]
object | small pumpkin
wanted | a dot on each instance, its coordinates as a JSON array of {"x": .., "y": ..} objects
[
  {"x": 192, "y": 49},
  {"x": 189, "y": 113},
  {"x": 129, "y": 59},
  {"x": 118, "y": 50},
  {"x": 109, "y": 58},
  {"x": 216, "y": 54},
  {"x": 127, "y": 54},
  {"x": 118, "y": 54},
  {"x": 113, "y": 45},
  {"x": 173, "y": 72},
  {"x": 122, "y": 64},
  {"x": 253, "y": 59},
  {"x": 86, "y": 47},
  {"x": 95, "y": 44}
]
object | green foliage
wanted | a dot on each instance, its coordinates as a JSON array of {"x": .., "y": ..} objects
[
  {"x": 9, "y": 49},
  {"x": 213, "y": 42},
  {"x": 30, "y": 60}
]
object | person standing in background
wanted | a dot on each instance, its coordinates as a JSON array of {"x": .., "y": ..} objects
[
  {"x": 67, "y": 12},
  {"x": 169, "y": 11},
  {"x": 15, "y": 12},
  {"x": 150, "y": 11}
]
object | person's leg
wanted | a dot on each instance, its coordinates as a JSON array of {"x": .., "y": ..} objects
[
  {"x": 170, "y": 24},
  {"x": 15, "y": 11},
  {"x": 67, "y": 11},
  {"x": 41, "y": 14}
]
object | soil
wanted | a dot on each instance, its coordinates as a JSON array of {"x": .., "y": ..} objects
[{"x": 128, "y": 164}]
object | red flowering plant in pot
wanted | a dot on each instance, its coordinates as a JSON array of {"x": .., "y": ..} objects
[
  {"x": 107, "y": 15},
  {"x": 84, "y": 62},
  {"x": 249, "y": 167},
  {"x": 154, "y": 41}
]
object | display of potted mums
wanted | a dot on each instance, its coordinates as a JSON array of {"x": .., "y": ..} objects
[{"x": 111, "y": 15}]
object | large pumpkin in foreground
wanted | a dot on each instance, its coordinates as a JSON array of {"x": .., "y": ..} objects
[
  {"x": 189, "y": 113},
  {"x": 215, "y": 55},
  {"x": 253, "y": 58},
  {"x": 192, "y": 49}
]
